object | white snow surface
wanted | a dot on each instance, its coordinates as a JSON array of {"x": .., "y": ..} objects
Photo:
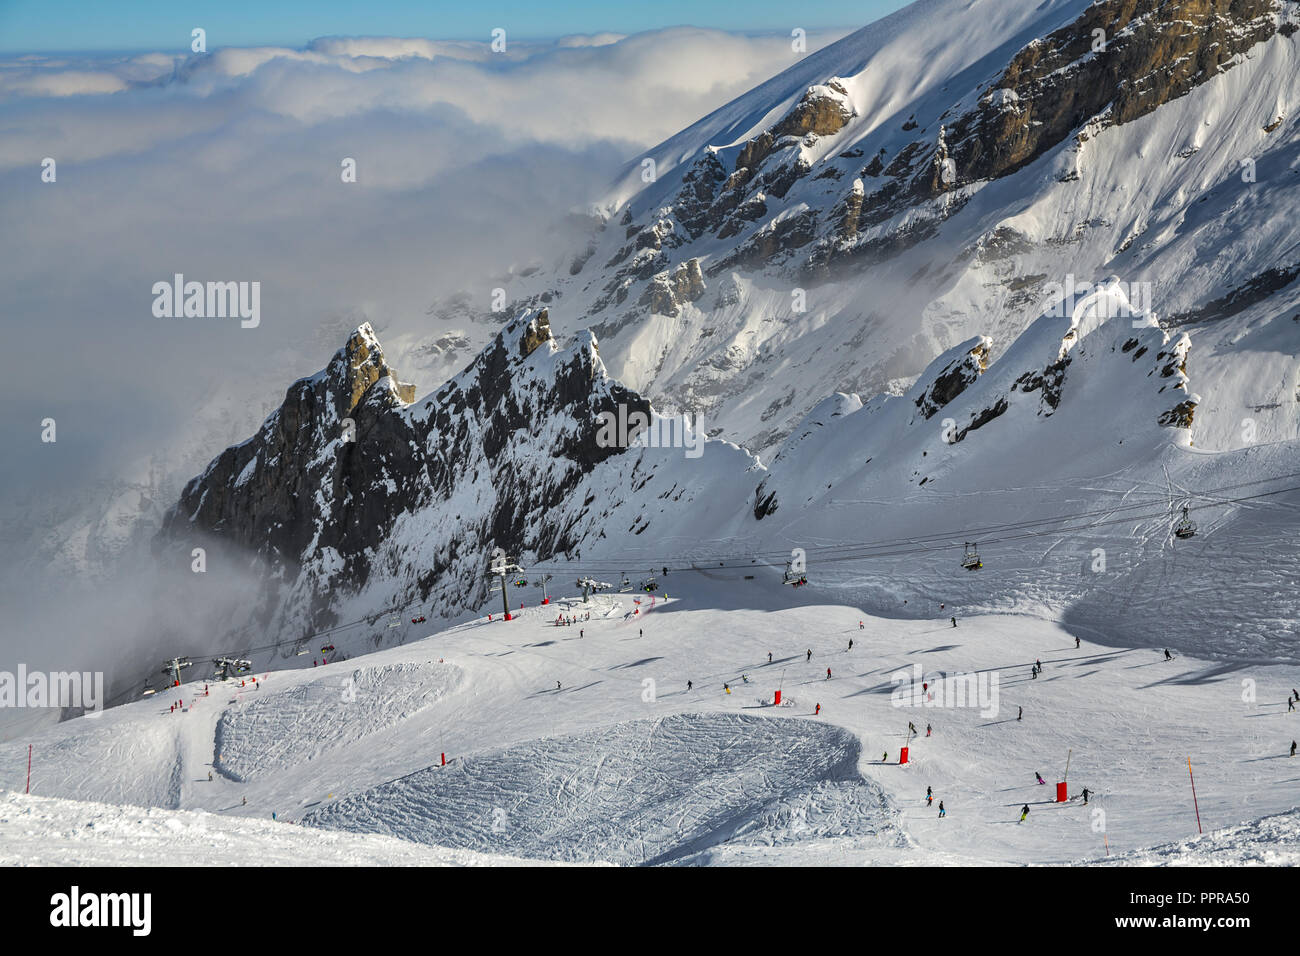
[{"x": 622, "y": 764}]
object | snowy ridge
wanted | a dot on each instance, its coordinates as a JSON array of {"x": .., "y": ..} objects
[{"x": 929, "y": 178}]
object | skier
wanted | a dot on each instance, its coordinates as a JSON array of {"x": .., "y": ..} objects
[
  {"x": 929, "y": 795},
  {"x": 1296, "y": 692},
  {"x": 209, "y": 776},
  {"x": 861, "y": 626},
  {"x": 928, "y": 730},
  {"x": 744, "y": 678},
  {"x": 769, "y": 657},
  {"x": 689, "y": 685},
  {"x": 850, "y": 643},
  {"x": 1020, "y": 713},
  {"x": 954, "y": 622},
  {"x": 640, "y": 632},
  {"x": 1040, "y": 665},
  {"x": 1034, "y": 670},
  {"x": 828, "y": 673},
  {"x": 1168, "y": 656},
  {"x": 1085, "y": 796},
  {"x": 810, "y": 653},
  {"x": 1290, "y": 705},
  {"x": 942, "y": 811},
  {"x": 245, "y": 803},
  {"x": 1024, "y": 812},
  {"x": 1076, "y": 643},
  {"x": 557, "y": 685},
  {"x": 1293, "y": 748},
  {"x": 1040, "y": 777},
  {"x": 727, "y": 688},
  {"x": 582, "y": 632},
  {"x": 818, "y": 711}
]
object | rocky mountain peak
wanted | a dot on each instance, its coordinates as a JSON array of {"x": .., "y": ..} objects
[{"x": 362, "y": 364}]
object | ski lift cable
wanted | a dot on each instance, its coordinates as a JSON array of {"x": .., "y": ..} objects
[
  {"x": 895, "y": 547},
  {"x": 947, "y": 537}
]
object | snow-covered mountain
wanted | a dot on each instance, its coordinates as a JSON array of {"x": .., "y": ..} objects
[
  {"x": 944, "y": 173},
  {"x": 938, "y": 236},
  {"x": 1068, "y": 457},
  {"x": 353, "y": 492}
]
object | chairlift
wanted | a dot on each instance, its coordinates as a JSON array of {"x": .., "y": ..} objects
[
  {"x": 626, "y": 585},
  {"x": 1186, "y": 528},
  {"x": 971, "y": 558},
  {"x": 650, "y": 584},
  {"x": 394, "y": 620},
  {"x": 326, "y": 648}
]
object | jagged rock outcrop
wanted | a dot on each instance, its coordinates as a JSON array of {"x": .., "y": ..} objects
[
  {"x": 953, "y": 379},
  {"x": 1119, "y": 61},
  {"x": 348, "y": 472},
  {"x": 669, "y": 290}
]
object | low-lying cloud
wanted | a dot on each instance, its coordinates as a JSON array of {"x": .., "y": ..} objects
[{"x": 227, "y": 167}]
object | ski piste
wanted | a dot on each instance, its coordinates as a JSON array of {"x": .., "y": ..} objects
[{"x": 897, "y": 464}]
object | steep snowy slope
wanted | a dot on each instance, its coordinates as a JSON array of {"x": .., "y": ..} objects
[
  {"x": 944, "y": 173},
  {"x": 1066, "y": 461}
]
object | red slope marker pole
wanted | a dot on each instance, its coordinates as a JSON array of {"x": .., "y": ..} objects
[{"x": 1194, "y": 804}]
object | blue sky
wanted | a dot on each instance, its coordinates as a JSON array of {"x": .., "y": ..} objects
[{"x": 75, "y": 25}]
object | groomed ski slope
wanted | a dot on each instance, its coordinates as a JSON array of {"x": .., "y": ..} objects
[
  {"x": 47, "y": 831},
  {"x": 595, "y": 769}
]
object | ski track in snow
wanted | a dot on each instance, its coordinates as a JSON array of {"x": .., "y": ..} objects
[
  {"x": 734, "y": 775},
  {"x": 599, "y": 772}
]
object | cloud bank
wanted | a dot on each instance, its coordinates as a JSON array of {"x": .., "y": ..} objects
[{"x": 228, "y": 166}]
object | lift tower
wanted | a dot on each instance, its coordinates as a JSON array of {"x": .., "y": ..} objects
[{"x": 500, "y": 567}]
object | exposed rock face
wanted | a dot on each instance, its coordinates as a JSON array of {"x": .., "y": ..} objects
[
  {"x": 536, "y": 332},
  {"x": 667, "y": 291},
  {"x": 322, "y": 507},
  {"x": 1154, "y": 51},
  {"x": 364, "y": 365},
  {"x": 954, "y": 379}
]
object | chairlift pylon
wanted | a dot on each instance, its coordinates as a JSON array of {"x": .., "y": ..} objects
[{"x": 793, "y": 578}]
